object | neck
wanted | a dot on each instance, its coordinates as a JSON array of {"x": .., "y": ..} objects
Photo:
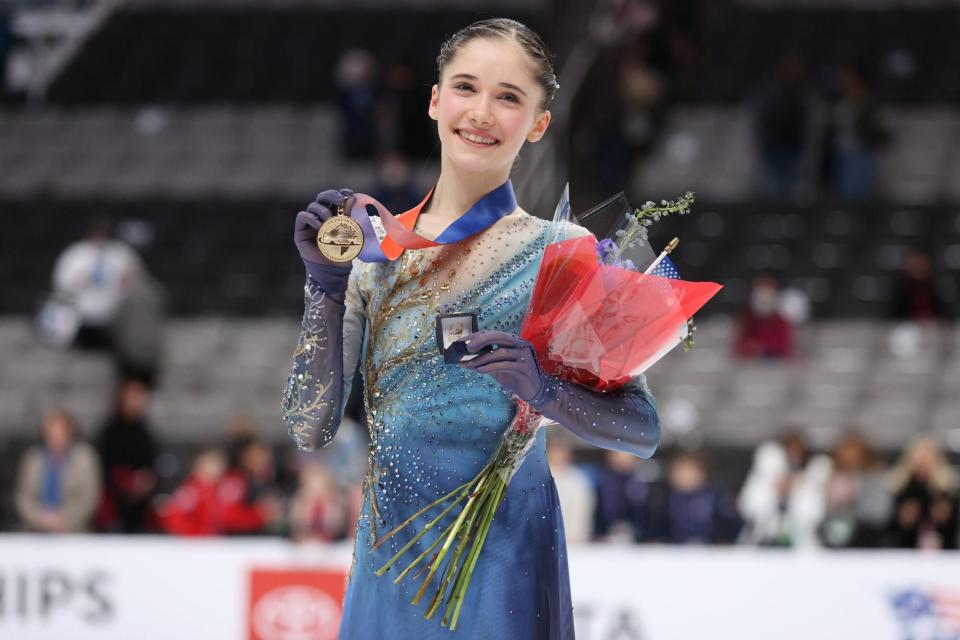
[
  {"x": 458, "y": 190},
  {"x": 58, "y": 452}
]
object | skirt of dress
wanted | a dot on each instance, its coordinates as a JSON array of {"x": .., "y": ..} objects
[{"x": 520, "y": 587}]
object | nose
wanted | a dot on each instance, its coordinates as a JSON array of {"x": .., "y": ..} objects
[
  {"x": 481, "y": 116},
  {"x": 481, "y": 119}
]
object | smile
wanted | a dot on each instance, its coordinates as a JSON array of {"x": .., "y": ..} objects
[{"x": 476, "y": 140}]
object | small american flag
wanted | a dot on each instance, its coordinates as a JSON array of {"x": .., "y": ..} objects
[
  {"x": 937, "y": 607},
  {"x": 666, "y": 269}
]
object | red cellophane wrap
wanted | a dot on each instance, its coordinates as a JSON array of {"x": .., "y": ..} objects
[{"x": 598, "y": 325}]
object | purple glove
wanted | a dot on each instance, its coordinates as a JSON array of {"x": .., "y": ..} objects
[
  {"x": 623, "y": 421},
  {"x": 512, "y": 363},
  {"x": 330, "y": 276}
]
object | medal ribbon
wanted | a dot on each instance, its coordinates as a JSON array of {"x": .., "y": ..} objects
[{"x": 401, "y": 236}]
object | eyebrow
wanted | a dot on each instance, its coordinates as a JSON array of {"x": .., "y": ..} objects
[{"x": 467, "y": 76}]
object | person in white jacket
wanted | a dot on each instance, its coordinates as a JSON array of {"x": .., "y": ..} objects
[
  {"x": 783, "y": 500},
  {"x": 96, "y": 274}
]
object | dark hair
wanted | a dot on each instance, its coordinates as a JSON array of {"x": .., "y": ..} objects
[{"x": 508, "y": 30}]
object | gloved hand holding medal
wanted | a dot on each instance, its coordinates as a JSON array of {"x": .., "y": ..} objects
[
  {"x": 336, "y": 228},
  {"x": 340, "y": 237}
]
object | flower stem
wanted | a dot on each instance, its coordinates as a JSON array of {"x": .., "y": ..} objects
[
  {"x": 426, "y": 552},
  {"x": 463, "y": 581},
  {"x": 448, "y": 574},
  {"x": 455, "y": 529},
  {"x": 430, "y": 525},
  {"x": 422, "y": 511},
  {"x": 424, "y": 568}
]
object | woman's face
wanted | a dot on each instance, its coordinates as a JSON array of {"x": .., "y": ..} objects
[
  {"x": 57, "y": 432},
  {"x": 488, "y": 93}
]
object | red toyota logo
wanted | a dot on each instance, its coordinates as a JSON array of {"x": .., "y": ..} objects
[{"x": 295, "y": 605}]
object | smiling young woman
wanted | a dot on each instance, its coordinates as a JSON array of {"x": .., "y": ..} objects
[
  {"x": 489, "y": 102},
  {"x": 433, "y": 426},
  {"x": 490, "y": 99}
]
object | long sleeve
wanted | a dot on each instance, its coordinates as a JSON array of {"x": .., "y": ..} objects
[
  {"x": 323, "y": 364},
  {"x": 623, "y": 421},
  {"x": 27, "y": 491}
]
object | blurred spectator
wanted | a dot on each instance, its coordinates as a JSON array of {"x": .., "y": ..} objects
[
  {"x": 356, "y": 76},
  {"x": 641, "y": 96},
  {"x": 858, "y": 502},
  {"x": 855, "y": 136},
  {"x": 194, "y": 508},
  {"x": 915, "y": 295},
  {"x": 683, "y": 39},
  {"x": 596, "y": 144},
  {"x": 239, "y": 431},
  {"x": 58, "y": 482},
  {"x": 577, "y": 497},
  {"x": 783, "y": 498},
  {"x": 794, "y": 306},
  {"x": 783, "y": 122},
  {"x": 345, "y": 461},
  {"x": 249, "y": 496},
  {"x": 925, "y": 498},
  {"x": 763, "y": 332},
  {"x": 317, "y": 511},
  {"x": 127, "y": 457},
  {"x": 401, "y": 125},
  {"x": 618, "y": 132},
  {"x": 690, "y": 510},
  {"x": 394, "y": 188},
  {"x": 94, "y": 274},
  {"x": 621, "y": 496},
  {"x": 104, "y": 299}
]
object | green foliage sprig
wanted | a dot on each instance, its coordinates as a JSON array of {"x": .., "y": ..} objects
[{"x": 636, "y": 234}]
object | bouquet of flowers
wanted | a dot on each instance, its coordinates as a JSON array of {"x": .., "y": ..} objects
[{"x": 595, "y": 318}]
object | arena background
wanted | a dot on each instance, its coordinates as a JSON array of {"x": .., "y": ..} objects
[{"x": 822, "y": 141}]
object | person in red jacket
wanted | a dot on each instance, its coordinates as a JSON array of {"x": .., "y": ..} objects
[
  {"x": 762, "y": 331},
  {"x": 249, "y": 498},
  {"x": 194, "y": 508}
]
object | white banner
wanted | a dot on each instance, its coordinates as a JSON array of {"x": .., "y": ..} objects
[
  {"x": 121, "y": 588},
  {"x": 667, "y": 593}
]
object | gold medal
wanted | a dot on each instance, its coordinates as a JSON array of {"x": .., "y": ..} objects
[{"x": 340, "y": 238}]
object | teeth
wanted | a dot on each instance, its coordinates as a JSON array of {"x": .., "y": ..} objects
[{"x": 477, "y": 139}]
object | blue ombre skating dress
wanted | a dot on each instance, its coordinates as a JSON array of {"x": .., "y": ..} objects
[{"x": 432, "y": 428}]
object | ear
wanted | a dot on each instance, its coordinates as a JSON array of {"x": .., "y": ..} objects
[
  {"x": 539, "y": 127},
  {"x": 433, "y": 110}
]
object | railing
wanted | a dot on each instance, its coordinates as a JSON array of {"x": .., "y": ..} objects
[{"x": 53, "y": 31}]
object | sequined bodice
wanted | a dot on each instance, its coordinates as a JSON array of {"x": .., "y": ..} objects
[{"x": 433, "y": 426}]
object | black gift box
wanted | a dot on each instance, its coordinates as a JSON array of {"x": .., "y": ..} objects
[{"x": 451, "y": 329}]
